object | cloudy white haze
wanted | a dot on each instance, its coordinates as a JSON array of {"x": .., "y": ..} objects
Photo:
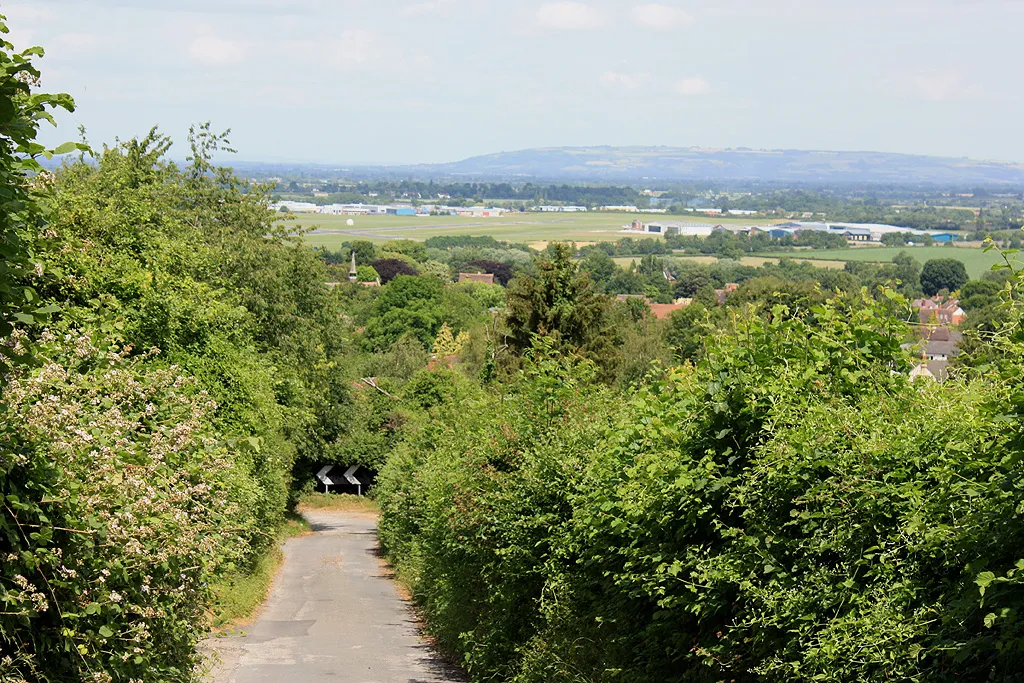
[{"x": 392, "y": 81}]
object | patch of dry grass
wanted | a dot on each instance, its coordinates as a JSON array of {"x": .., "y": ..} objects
[{"x": 339, "y": 502}]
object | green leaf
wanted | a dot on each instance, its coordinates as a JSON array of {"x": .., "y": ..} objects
[
  {"x": 983, "y": 580},
  {"x": 105, "y": 632},
  {"x": 69, "y": 147}
]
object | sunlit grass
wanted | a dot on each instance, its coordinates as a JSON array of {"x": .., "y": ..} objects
[
  {"x": 338, "y": 502},
  {"x": 239, "y": 595}
]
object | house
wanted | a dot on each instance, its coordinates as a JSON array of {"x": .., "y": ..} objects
[
  {"x": 485, "y": 278},
  {"x": 941, "y": 334},
  {"x": 938, "y": 349},
  {"x": 939, "y": 311},
  {"x": 443, "y": 362},
  {"x": 723, "y": 294},
  {"x": 662, "y": 311},
  {"x": 941, "y": 351},
  {"x": 922, "y": 372},
  {"x": 659, "y": 311}
]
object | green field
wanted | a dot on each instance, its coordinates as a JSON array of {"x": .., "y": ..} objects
[
  {"x": 531, "y": 228},
  {"x": 977, "y": 261}
]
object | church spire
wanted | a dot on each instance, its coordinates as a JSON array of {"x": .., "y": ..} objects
[{"x": 353, "y": 273}]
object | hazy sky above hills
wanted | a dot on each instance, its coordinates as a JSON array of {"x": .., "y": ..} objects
[{"x": 401, "y": 81}]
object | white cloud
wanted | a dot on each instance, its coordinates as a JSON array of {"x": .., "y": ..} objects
[
  {"x": 76, "y": 42},
  {"x": 298, "y": 49},
  {"x": 430, "y": 7},
  {"x": 661, "y": 17},
  {"x": 21, "y": 14},
  {"x": 934, "y": 85},
  {"x": 693, "y": 86},
  {"x": 574, "y": 16},
  {"x": 627, "y": 81},
  {"x": 213, "y": 51},
  {"x": 355, "y": 49}
]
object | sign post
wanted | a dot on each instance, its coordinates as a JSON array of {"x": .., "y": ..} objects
[
  {"x": 350, "y": 475},
  {"x": 324, "y": 479}
]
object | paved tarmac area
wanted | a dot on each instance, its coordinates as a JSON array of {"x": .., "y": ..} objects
[{"x": 334, "y": 615}]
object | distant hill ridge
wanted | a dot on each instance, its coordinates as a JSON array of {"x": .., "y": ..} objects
[{"x": 621, "y": 164}]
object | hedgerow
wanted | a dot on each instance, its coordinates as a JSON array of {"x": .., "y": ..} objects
[
  {"x": 172, "y": 358},
  {"x": 121, "y": 504},
  {"x": 789, "y": 508}
]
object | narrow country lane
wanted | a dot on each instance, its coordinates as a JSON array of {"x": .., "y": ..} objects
[{"x": 333, "y": 615}]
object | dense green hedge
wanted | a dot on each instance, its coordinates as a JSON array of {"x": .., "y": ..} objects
[
  {"x": 172, "y": 356},
  {"x": 122, "y": 503},
  {"x": 791, "y": 508}
]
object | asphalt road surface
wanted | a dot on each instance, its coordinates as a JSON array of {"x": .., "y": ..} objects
[{"x": 333, "y": 615}]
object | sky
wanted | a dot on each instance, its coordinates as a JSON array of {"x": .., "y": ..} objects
[{"x": 418, "y": 81}]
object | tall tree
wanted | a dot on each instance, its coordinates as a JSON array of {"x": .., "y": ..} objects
[
  {"x": 943, "y": 273},
  {"x": 559, "y": 302}
]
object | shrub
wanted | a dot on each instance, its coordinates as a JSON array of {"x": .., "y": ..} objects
[{"x": 122, "y": 504}]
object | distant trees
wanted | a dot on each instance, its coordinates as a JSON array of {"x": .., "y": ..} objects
[
  {"x": 415, "y": 250},
  {"x": 894, "y": 239},
  {"x": 461, "y": 194},
  {"x": 418, "y": 307},
  {"x": 503, "y": 272},
  {"x": 599, "y": 266},
  {"x": 978, "y": 294},
  {"x": 366, "y": 274},
  {"x": 452, "y": 241},
  {"x": 689, "y": 281},
  {"x": 365, "y": 251},
  {"x": 390, "y": 268},
  {"x": 946, "y": 273},
  {"x": 406, "y": 306}
]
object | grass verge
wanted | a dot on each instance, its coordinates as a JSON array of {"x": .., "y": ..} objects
[
  {"x": 239, "y": 595},
  {"x": 340, "y": 502}
]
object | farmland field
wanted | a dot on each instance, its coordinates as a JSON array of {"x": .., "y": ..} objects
[
  {"x": 755, "y": 261},
  {"x": 976, "y": 260},
  {"x": 531, "y": 228}
]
